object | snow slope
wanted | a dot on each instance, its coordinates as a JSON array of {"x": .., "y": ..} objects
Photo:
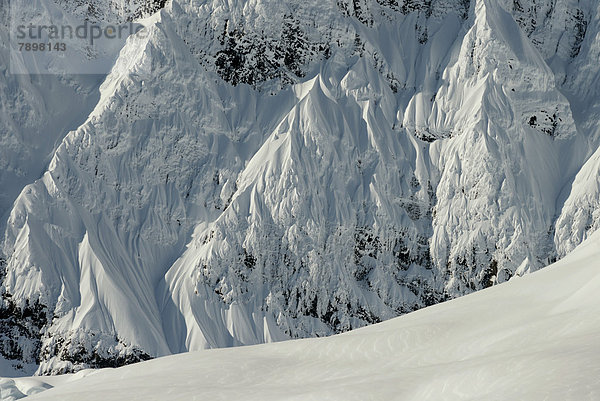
[
  {"x": 533, "y": 338},
  {"x": 36, "y": 113},
  {"x": 259, "y": 170}
]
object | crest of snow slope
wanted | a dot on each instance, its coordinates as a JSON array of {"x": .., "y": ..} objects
[
  {"x": 534, "y": 338},
  {"x": 275, "y": 195}
]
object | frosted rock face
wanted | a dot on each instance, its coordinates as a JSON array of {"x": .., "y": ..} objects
[
  {"x": 256, "y": 171},
  {"x": 556, "y": 28},
  {"x": 113, "y": 10}
]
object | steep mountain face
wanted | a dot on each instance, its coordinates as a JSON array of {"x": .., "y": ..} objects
[
  {"x": 255, "y": 171},
  {"x": 36, "y": 112},
  {"x": 111, "y": 11}
]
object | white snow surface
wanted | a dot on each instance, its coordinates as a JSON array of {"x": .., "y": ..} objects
[
  {"x": 533, "y": 338},
  {"x": 405, "y": 155}
]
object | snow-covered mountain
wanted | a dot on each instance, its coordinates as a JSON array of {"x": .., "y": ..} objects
[
  {"x": 534, "y": 338},
  {"x": 252, "y": 171}
]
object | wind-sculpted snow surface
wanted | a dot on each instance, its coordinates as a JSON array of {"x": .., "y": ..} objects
[{"x": 256, "y": 171}]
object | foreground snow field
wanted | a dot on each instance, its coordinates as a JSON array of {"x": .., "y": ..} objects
[{"x": 533, "y": 338}]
